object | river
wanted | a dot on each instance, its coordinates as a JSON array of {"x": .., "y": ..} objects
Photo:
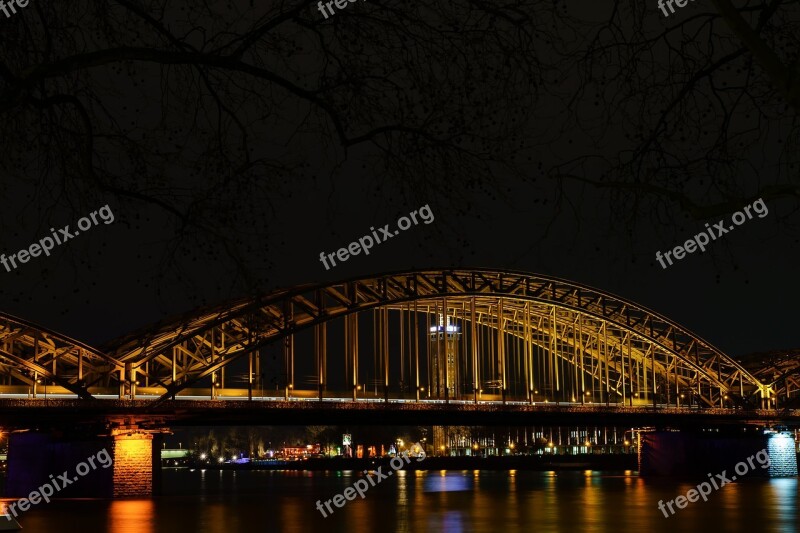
[{"x": 225, "y": 501}]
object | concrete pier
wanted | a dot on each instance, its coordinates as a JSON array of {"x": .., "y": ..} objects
[{"x": 690, "y": 454}]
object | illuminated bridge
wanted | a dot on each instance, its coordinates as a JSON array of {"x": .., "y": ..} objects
[
  {"x": 442, "y": 337},
  {"x": 431, "y": 347}
]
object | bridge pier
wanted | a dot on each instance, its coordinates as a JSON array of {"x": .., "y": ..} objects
[
  {"x": 688, "y": 454},
  {"x": 137, "y": 463},
  {"x": 124, "y": 464}
]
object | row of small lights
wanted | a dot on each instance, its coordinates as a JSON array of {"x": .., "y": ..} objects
[{"x": 220, "y": 460}]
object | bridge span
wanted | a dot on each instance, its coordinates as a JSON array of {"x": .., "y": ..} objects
[
  {"x": 433, "y": 334},
  {"x": 435, "y": 346}
]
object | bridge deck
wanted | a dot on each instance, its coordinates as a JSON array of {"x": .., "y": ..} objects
[{"x": 24, "y": 412}]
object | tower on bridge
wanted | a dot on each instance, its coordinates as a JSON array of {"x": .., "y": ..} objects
[{"x": 444, "y": 338}]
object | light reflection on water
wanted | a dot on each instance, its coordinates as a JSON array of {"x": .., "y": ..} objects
[
  {"x": 131, "y": 516},
  {"x": 475, "y": 501}
]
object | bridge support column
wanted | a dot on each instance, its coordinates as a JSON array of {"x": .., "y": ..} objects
[
  {"x": 123, "y": 464},
  {"x": 663, "y": 453},
  {"x": 135, "y": 464}
]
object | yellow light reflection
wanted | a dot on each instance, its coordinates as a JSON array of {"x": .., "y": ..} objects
[{"x": 131, "y": 516}]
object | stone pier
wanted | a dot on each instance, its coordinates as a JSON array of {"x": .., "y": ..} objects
[
  {"x": 688, "y": 454},
  {"x": 124, "y": 464}
]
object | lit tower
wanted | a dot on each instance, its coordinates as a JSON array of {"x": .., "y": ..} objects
[{"x": 445, "y": 359}]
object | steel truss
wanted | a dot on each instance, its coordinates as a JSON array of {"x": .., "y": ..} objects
[
  {"x": 520, "y": 336},
  {"x": 35, "y": 357},
  {"x": 574, "y": 342}
]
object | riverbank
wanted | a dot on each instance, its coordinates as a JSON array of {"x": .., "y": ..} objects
[{"x": 516, "y": 462}]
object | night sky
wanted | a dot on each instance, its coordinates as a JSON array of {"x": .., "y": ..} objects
[{"x": 225, "y": 183}]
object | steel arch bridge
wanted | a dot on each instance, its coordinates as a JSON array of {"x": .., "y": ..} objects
[
  {"x": 780, "y": 371},
  {"x": 474, "y": 335}
]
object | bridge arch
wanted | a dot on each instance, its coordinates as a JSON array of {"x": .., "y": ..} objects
[
  {"x": 452, "y": 334},
  {"x": 779, "y": 371},
  {"x": 33, "y": 358}
]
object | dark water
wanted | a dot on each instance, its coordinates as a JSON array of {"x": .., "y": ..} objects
[{"x": 256, "y": 501}]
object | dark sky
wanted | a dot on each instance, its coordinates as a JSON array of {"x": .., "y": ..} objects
[
  {"x": 738, "y": 295},
  {"x": 264, "y": 228}
]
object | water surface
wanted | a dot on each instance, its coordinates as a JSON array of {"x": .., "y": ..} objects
[{"x": 477, "y": 501}]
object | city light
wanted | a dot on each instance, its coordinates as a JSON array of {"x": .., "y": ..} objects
[{"x": 203, "y": 456}]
